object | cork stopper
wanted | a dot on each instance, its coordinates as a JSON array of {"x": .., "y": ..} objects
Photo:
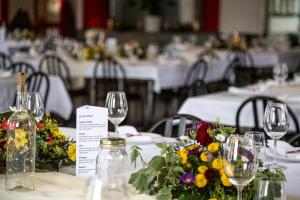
[{"x": 21, "y": 81}]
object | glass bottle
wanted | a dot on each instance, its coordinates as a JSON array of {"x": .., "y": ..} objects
[
  {"x": 21, "y": 136},
  {"x": 111, "y": 168}
]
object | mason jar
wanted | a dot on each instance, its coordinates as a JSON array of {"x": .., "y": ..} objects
[{"x": 112, "y": 166}]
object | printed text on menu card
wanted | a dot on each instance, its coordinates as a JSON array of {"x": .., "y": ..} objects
[{"x": 91, "y": 125}]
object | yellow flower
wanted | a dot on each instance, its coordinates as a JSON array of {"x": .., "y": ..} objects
[
  {"x": 193, "y": 146},
  {"x": 202, "y": 169},
  {"x": 228, "y": 168},
  {"x": 72, "y": 151},
  {"x": 217, "y": 163},
  {"x": 225, "y": 181},
  {"x": 58, "y": 134},
  {"x": 213, "y": 198},
  {"x": 200, "y": 181},
  {"x": 204, "y": 157},
  {"x": 222, "y": 172},
  {"x": 20, "y": 138},
  {"x": 182, "y": 155},
  {"x": 188, "y": 165},
  {"x": 213, "y": 147}
]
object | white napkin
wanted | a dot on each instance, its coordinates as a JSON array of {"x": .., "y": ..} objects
[
  {"x": 243, "y": 91},
  {"x": 127, "y": 131},
  {"x": 5, "y": 73},
  {"x": 139, "y": 139},
  {"x": 283, "y": 148}
]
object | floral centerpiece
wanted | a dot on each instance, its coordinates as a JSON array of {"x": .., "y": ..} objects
[
  {"x": 132, "y": 48},
  {"x": 53, "y": 148},
  {"x": 191, "y": 168}
]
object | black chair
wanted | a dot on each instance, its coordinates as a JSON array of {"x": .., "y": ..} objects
[
  {"x": 35, "y": 82},
  {"x": 244, "y": 58},
  {"x": 295, "y": 140},
  {"x": 255, "y": 101},
  {"x": 112, "y": 77},
  {"x": 54, "y": 65},
  {"x": 21, "y": 67},
  {"x": 180, "y": 121},
  {"x": 5, "y": 61}
]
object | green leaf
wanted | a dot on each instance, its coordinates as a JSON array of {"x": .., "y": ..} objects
[
  {"x": 157, "y": 162},
  {"x": 139, "y": 180},
  {"x": 188, "y": 195},
  {"x": 134, "y": 154},
  {"x": 164, "y": 194}
]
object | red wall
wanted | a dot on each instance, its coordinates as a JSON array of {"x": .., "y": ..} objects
[
  {"x": 210, "y": 15},
  {"x": 4, "y": 11},
  {"x": 95, "y": 13}
]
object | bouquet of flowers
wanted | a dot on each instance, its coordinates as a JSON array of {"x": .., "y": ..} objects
[
  {"x": 132, "y": 48},
  {"x": 53, "y": 149},
  {"x": 191, "y": 168}
]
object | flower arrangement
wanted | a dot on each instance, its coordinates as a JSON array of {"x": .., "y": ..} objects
[
  {"x": 191, "y": 168},
  {"x": 53, "y": 148},
  {"x": 132, "y": 48}
]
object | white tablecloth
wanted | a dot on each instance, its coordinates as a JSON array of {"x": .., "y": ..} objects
[
  {"x": 224, "y": 105},
  {"x": 59, "y": 100}
]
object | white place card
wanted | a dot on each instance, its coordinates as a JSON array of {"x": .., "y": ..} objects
[{"x": 91, "y": 125}]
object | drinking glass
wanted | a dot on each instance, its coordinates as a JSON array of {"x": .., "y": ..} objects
[
  {"x": 116, "y": 103},
  {"x": 259, "y": 143},
  {"x": 35, "y": 105},
  {"x": 280, "y": 72},
  {"x": 240, "y": 161},
  {"x": 276, "y": 125},
  {"x": 270, "y": 189}
]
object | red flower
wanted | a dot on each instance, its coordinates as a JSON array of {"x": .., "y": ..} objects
[
  {"x": 4, "y": 124},
  {"x": 2, "y": 143},
  {"x": 40, "y": 125},
  {"x": 49, "y": 139},
  {"x": 202, "y": 135}
]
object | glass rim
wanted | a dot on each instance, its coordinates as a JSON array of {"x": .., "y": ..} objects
[
  {"x": 277, "y": 104},
  {"x": 115, "y": 92}
]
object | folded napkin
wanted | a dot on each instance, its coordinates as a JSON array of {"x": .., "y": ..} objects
[
  {"x": 127, "y": 131},
  {"x": 5, "y": 73},
  {"x": 139, "y": 139},
  {"x": 244, "y": 91},
  {"x": 285, "y": 149}
]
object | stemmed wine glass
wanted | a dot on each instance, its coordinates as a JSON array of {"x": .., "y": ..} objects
[
  {"x": 240, "y": 161},
  {"x": 35, "y": 105},
  {"x": 116, "y": 103},
  {"x": 276, "y": 125},
  {"x": 259, "y": 143},
  {"x": 280, "y": 72}
]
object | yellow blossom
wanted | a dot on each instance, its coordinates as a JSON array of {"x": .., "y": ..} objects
[
  {"x": 202, "y": 169},
  {"x": 204, "y": 157},
  {"x": 182, "y": 153},
  {"x": 188, "y": 165},
  {"x": 222, "y": 172},
  {"x": 228, "y": 168},
  {"x": 58, "y": 134},
  {"x": 72, "y": 151},
  {"x": 193, "y": 146},
  {"x": 213, "y": 147},
  {"x": 20, "y": 138},
  {"x": 200, "y": 181},
  {"x": 217, "y": 163},
  {"x": 213, "y": 198},
  {"x": 225, "y": 181}
]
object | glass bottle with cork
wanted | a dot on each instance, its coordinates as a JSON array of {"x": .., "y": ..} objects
[{"x": 21, "y": 144}]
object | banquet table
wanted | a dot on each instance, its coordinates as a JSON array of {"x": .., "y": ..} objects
[
  {"x": 58, "y": 101},
  {"x": 224, "y": 105},
  {"x": 52, "y": 185}
]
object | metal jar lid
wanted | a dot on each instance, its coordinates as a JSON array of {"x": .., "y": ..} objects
[{"x": 113, "y": 141}]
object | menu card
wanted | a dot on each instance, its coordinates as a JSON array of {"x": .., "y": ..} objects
[{"x": 91, "y": 125}]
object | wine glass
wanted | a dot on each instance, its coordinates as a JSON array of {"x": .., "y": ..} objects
[
  {"x": 276, "y": 125},
  {"x": 240, "y": 161},
  {"x": 280, "y": 72},
  {"x": 259, "y": 143},
  {"x": 35, "y": 105},
  {"x": 116, "y": 103},
  {"x": 270, "y": 189}
]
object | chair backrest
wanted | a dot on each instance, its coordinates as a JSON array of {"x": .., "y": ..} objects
[
  {"x": 5, "y": 61},
  {"x": 259, "y": 103},
  {"x": 244, "y": 58},
  {"x": 39, "y": 82},
  {"x": 181, "y": 121},
  {"x": 229, "y": 74},
  {"x": 21, "y": 67},
  {"x": 53, "y": 64},
  {"x": 109, "y": 72}
]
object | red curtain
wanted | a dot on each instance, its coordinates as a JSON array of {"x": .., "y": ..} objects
[
  {"x": 210, "y": 16},
  {"x": 95, "y": 13},
  {"x": 4, "y": 11}
]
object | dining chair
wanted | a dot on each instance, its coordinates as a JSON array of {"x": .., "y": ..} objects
[
  {"x": 21, "y": 67},
  {"x": 167, "y": 126},
  {"x": 295, "y": 140},
  {"x": 39, "y": 82},
  {"x": 108, "y": 74},
  {"x": 258, "y": 105},
  {"x": 244, "y": 57},
  {"x": 5, "y": 61},
  {"x": 55, "y": 65}
]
